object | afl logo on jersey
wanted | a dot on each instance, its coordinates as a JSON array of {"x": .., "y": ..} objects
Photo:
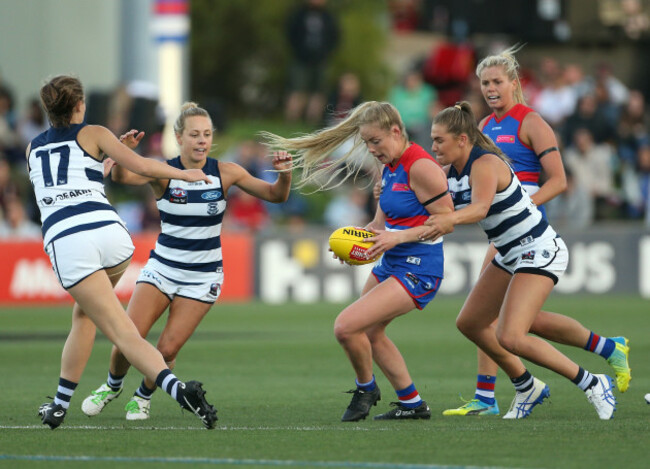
[
  {"x": 178, "y": 195},
  {"x": 212, "y": 195}
]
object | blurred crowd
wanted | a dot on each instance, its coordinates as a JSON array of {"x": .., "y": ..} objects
[{"x": 603, "y": 126}]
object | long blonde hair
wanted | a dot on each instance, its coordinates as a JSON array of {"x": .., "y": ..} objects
[
  {"x": 459, "y": 119},
  {"x": 506, "y": 60},
  {"x": 312, "y": 151}
]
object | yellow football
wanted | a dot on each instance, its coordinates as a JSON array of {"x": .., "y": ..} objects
[{"x": 349, "y": 245}]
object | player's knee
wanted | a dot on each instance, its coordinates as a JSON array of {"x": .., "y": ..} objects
[
  {"x": 169, "y": 352},
  {"x": 465, "y": 326},
  {"x": 341, "y": 332},
  {"x": 510, "y": 342}
]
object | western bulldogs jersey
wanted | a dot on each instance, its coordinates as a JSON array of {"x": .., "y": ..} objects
[
  {"x": 403, "y": 210},
  {"x": 191, "y": 214},
  {"x": 513, "y": 221},
  {"x": 68, "y": 184},
  {"x": 505, "y": 133}
]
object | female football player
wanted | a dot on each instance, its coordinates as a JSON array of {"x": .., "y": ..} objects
[
  {"x": 409, "y": 273},
  {"x": 530, "y": 144},
  {"x": 530, "y": 259},
  {"x": 184, "y": 272},
  {"x": 89, "y": 246}
]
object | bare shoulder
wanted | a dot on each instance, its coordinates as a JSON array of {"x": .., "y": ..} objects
[
  {"x": 533, "y": 121},
  {"x": 535, "y": 128},
  {"x": 231, "y": 172},
  {"x": 229, "y": 168}
]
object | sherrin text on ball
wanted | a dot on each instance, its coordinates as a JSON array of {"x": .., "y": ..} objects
[{"x": 348, "y": 244}]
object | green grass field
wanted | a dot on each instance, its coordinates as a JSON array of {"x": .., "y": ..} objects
[{"x": 277, "y": 377}]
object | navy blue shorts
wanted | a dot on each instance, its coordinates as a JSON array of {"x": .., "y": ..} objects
[{"x": 422, "y": 288}]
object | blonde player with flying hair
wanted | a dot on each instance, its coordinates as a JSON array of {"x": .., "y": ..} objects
[{"x": 409, "y": 273}]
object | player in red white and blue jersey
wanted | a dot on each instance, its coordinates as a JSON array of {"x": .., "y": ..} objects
[
  {"x": 402, "y": 210},
  {"x": 89, "y": 246},
  {"x": 530, "y": 259},
  {"x": 531, "y": 146},
  {"x": 409, "y": 273},
  {"x": 185, "y": 271}
]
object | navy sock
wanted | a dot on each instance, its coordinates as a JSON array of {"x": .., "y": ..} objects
[
  {"x": 524, "y": 382},
  {"x": 168, "y": 382},
  {"x": 64, "y": 392},
  {"x": 144, "y": 392},
  {"x": 584, "y": 380},
  {"x": 115, "y": 382}
]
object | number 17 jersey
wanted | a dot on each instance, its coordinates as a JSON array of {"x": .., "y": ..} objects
[{"x": 68, "y": 184}]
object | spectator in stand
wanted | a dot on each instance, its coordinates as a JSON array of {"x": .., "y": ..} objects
[
  {"x": 415, "y": 100},
  {"x": 573, "y": 208},
  {"x": 15, "y": 224},
  {"x": 616, "y": 89},
  {"x": 9, "y": 141},
  {"x": 348, "y": 207},
  {"x": 404, "y": 15},
  {"x": 246, "y": 212},
  {"x": 150, "y": 216},
  {"x": 589, "y": 115},
  {"x": 633, "y": 145},
  {"x": 592, "y": 165},
  {"x": 608, "y": 107},
  {"x": 32, "y": 123},
  {"x": 556, "y": 101},
  {"x": 346, "y": 96},
  {"x": 8, "y": 187},
  {"x": 313, "y": 35},
  {"x": 574, "y": 77}
]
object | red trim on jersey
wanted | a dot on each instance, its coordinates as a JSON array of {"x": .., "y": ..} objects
[
  {"x": 517, "y": 112},
  {"x": 410, "y": 222},
  {"x": 413, "y": 153},
  {"x": 528, "y": 176}
]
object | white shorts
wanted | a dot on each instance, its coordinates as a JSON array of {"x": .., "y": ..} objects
[
  {"x": 549, "y": 257},
  {"x": 76, "y": 256},
  {"x": 174, "y": 282}
]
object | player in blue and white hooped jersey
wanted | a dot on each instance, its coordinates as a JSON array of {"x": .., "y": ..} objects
[
  {"x": 89, "y": 245},
  {"x": 409, "y": 273},
  {"x": 185, "y": 272},
  {"x": 531, "y": 146},
  {"x": 530, "y": 259}
]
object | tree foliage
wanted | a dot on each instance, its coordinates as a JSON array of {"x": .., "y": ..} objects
[{"x": 240, "y": 56}]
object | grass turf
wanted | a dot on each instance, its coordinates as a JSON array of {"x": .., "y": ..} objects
[{"x": 276, "y": 375}]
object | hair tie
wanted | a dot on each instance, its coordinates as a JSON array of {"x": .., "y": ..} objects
[{"x": 457, "y": 106}]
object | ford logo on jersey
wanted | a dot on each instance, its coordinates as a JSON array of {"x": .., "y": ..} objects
[
  {"x": 212, "y": 195},
  {"x": 177, "y": 195}
]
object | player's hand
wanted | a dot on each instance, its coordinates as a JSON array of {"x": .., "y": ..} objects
[
  {"x": 437, "y": 225},
  {"x": 132, "y": 138},
  {"x": 108, "y": 165},
  {"x": 282, "y": 161},
  {"x": 382, "y": 242},
  {"x": 194, "y": 175},
  {"x": 376, "y": 190}
]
